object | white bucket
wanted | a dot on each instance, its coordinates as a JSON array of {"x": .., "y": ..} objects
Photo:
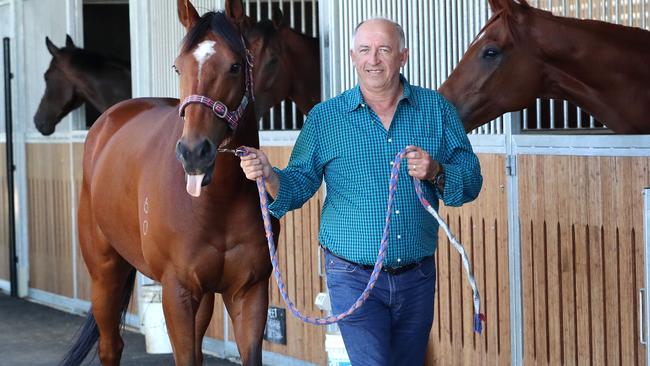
[
  {"x": 336, "y": 353},
  {"x": 153, "y": 320}
]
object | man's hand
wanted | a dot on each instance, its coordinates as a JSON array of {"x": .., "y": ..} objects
[
  {"x": 420, "y": 164},
  {"x": 255, "y": 165}
]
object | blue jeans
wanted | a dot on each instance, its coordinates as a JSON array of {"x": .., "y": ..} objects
[{"x": 392, "y": 327}]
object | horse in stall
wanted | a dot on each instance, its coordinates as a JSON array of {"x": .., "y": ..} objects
[
  {"x": 282, "y": 76},
  {"x": 76, "y": 76},
  {"x": 133, "y": 213},
  {"x": 523, "y": 53}
]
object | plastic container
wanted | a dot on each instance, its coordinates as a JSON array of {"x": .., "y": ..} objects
[
  {"x": 336, "y": 353},
  {"x": 153, "y": 320}
]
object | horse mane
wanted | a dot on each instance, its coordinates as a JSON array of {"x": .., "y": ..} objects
[
  {"x": 218, "y": 23},
  {"x": 263, "y": 29}
]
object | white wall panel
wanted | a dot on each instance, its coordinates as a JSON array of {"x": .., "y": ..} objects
[{"x": 37, "y": 58}]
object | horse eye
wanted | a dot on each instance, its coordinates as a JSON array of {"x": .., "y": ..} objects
[
  {"x": 490, "y": 53},
  {"x": 176, "y": 69},
  {"x": 234, "y": 68}
]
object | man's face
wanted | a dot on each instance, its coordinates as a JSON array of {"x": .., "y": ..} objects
[{"x": 376, "y": 55}]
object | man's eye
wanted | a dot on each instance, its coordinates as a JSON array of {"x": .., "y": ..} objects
[{"x": 176, "y": 69}]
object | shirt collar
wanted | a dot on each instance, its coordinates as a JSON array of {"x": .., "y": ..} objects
[{"x": 356, "y": 98}]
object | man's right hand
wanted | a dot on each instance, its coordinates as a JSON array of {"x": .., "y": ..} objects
[{"x": 255, "y": 165}]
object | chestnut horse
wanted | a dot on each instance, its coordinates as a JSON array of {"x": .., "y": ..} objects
[
  {"x": 524, "y": 53},
  {"x": 134, "y": 213},
  {"x": 76, "y": 76}
]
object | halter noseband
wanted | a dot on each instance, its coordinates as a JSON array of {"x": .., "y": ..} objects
[{"x": 218, "y": 107}]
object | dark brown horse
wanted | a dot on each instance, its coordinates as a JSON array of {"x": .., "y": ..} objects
[
  {"x": 76, "y": 76},
  {"x": 523, "y": 53},
  {"x": 134, "y": 212},
  {"x": 289, "y": 67}
]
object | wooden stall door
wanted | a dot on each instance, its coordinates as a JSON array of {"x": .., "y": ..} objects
[
  {"x": 582, "y": 258},
  {"x": 482, "y": 228}
]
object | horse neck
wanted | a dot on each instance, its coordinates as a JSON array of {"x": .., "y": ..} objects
[
  {"x": 305, "y": 88},
  {"x": 93, "y": 86},
  {"x": 583, "y": 62}
]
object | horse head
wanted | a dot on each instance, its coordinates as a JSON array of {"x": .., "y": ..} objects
[
  {"x": 499, "y": 55},
  {"x": 60, "y": 96},
  {"x": 287, "y": 65},
  {"x": 216, "y": 86}
]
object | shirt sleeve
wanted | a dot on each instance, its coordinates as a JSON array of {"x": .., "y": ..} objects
[
  {"x": 303, "y": 175},
  {"x": 463, "y": 179}
]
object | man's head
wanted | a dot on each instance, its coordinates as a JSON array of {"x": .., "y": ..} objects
[{"x": 378, "y": 53}]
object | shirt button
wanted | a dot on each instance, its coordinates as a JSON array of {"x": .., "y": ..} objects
[
  {"x": 390, "y": 140},
  {"x": 363, "y": 105},
  {"x": 399, "y": 260},
  {"x": 396, "y": 212},
  {"x": 392, "y": 163},
  {"x": 399, "y": 237}
]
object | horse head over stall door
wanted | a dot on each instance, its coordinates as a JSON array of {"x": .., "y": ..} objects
[
  {"x": 289, "y": 67},
  {"x": 195, "y": 225},
  {"x": 76, "y": 76},
  {"x": 523, "y": 53}
]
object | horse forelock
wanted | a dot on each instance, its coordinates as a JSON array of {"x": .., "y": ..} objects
[{"x": 218, "y": 23}]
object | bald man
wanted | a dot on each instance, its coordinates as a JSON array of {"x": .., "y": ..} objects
[{"x": 349, "y": 141}]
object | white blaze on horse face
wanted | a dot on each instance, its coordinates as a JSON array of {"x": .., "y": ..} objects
[{"x": 202, "y": 53}]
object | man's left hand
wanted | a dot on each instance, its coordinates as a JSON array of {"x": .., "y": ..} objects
[{"x": 420, "y": 164}]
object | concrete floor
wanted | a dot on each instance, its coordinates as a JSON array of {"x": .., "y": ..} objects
[{"x": 36, "y": 335}]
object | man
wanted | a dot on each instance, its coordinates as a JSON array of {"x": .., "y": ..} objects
[{"x": 350, "y": 141}]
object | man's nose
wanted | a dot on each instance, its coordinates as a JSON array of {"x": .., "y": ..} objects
[{"x": 374, "y": 57}]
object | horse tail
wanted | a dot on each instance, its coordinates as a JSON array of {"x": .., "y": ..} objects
[{"x": 88, "y": 334}]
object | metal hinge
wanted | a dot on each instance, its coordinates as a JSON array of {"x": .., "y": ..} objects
[{"x": 511, "y": 165}]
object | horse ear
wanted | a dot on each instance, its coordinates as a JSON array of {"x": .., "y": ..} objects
[
  {"x": 235, "y": 11},
  {"x": 54, "y": 50},
  {"x": 68, "y": 41},
  {"x": 187, "y": 14},
  {"x": 278, "y": 18}
]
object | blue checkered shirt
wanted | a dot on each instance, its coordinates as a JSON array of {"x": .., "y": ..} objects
[{"x": 344, "y": 142}]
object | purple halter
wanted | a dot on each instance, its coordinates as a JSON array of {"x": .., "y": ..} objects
[{"x": 218, "y": 107}]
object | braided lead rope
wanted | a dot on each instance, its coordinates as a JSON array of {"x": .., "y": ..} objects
[
  {"x": 394, "y": 174},
  {"x": 478, "y": 316}
]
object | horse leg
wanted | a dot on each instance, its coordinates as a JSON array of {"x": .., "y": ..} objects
[
  {"x": 107, "y": 307},
  {"x": 112, "y": 283},
  {"x": 247, "y": 309},
  {"x": 203, "y": 317},
  {"x": 180, "y": 308}
]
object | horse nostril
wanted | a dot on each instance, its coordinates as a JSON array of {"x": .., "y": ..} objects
[
  {"x": 181, "y": 151},
  {"x": 206, "y": 150}
]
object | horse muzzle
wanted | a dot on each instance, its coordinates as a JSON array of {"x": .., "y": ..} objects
[{"x": 198, "y": 162}]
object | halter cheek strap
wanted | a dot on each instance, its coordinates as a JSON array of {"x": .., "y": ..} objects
[{"x": 218, "y": 107}]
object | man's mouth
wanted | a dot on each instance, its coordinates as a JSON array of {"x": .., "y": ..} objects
[{"x": 374, "y": 71}]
